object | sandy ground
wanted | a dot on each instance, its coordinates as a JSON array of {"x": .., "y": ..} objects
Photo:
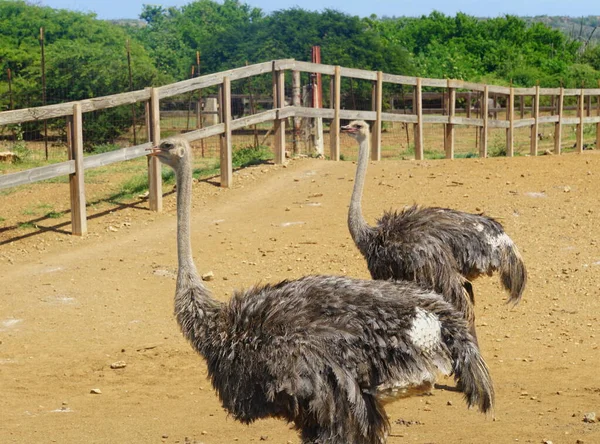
[{"x": 71, "y": 307}]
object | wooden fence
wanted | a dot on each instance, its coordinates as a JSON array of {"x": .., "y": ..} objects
[{"x": 77, "y": 164}]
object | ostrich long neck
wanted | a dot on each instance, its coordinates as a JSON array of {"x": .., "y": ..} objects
[
  {"x": 184, "y": 206},
  {"x": 194, "y": 306},
  {"x": 356, "y": 222}
]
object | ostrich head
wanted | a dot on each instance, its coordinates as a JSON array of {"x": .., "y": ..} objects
[
  {"x": 170, "y": 152},
  {"x": 359, "y": 129}
]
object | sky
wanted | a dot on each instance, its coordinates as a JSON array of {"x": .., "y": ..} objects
[{"x": 118, "y": 9}]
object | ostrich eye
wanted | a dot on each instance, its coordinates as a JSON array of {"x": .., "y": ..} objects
[{"x": 167, "y": 145}]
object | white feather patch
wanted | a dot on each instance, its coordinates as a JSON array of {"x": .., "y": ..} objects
[
  {"x": 499, "y": 241},
  {"x": 425, "y": 331}
]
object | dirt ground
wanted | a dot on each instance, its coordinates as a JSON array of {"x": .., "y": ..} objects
[{"x": 72, "y": 307}]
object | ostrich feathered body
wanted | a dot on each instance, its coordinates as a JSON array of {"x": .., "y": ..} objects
[
  {"x": 418, "y": 239},
  {"x": 325, "y": 352},
  {"x": 439, "y": 248}
]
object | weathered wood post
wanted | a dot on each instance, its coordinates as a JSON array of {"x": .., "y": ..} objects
[
  {"x": 296, "y": 101},
  {"x": 449, "y": 131},
  {"x": 510, "y": 115},
  {"x": 334, "y": 128},
  {"x": 279, "y": 124},
  {"x": 226, "y": 154},
  {"x": 377, "y": 105},
  {"x": 535, "y": 111},
  {"x": 418, "y": 106},
  {"x": 558, "y": 124},
  {"x": 154, "y": 170},
  {"x": 598, "y": 124},
  {"x": 76, "y": 179},
  {"x": 212, "y": 111},
  {"x": 581, "y": 115},
  {"x": 483, "y": 146}
]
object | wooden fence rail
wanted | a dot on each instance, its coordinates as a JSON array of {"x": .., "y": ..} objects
[{"x": 77, "y": 164}]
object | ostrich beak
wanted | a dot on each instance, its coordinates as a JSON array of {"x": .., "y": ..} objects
[
  {"x": 153, "y": 151},
  {"x": 348, "y": 129}
]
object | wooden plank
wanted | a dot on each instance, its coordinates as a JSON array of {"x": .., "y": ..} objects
[
  {"x": 522, "y": 123},
  {"x": 483, "y": 135},
  {"x": 570, "y": 120},
  {"x": 399, "y": 80},
  {"x": 226, "y": 152},
  {"x": 205, "y": 81},
  {"x": 524, "y": 91},
  {"x": 33, "y": 175},
  {"x": 419, "y": 125},
  {"x": 581, "y": 115},
  {"x": 549, "y": 91},
  {"x": 77, "y": 178},
  {"x": 66, "y": 109},
  {"x": 334, "y": 128},
  {"x": 203, "y": 133},
  {"x": 449, "y": 127},
  {"x": 279, "y": 124},
  {"x": 547, "y": 119},
  {"x": 510, "y": 111},
  {"x": 303, "y": 111},
  {"x": 472, "y": 121},
  {"x": 437, "y": 83},
  {"x": 265, "y": 116},
  {"x": 154, "y": 169},
  {"x": 305, "y": 67},
  {"x": 558, "y": 124},
  {"x": 461, "y": 84},
  {"x": 572, "y": 92},
  {"x": 493, "y": 89},
  {"x": 535, "y": 126},
  {"x": 358, "y": 73},
  {"x": 120, "y": 155},
  {"x": 393, "y": 117},
  {"x": 493, "y": 123},
  {"x": 359, "y": 115},
  {"x": 377, "y": 107},
  {"x": 436, "y": 119}
]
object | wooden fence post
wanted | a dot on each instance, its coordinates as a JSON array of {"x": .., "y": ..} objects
[
  {"x": 581, "y": 115},
  {"x": 334, "y": 128},
  {"x": 377, "y": 107},
  {"x": 535, "y": 111},
  {"x": 558, "y": 125},
  {"x": 154, "y": 170},
  {"x": 76, "y": 180},
  {"x": 418, "y": 106},
  {"x": 296, "y": 101},
  {"x": 522, "y": 106},
  {"x": 598, "y": 124},
  {"x": 510, "y": 115},
  {"x": 449, "y": 130},
  {"x": 279, "y": 124},
  {"x": 483, "y": 146},
  {"x": 226, "y": 154}
]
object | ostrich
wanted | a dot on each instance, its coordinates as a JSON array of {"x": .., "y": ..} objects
[
  {"x": 322, "y": 352},
  {"x": 440, "y": 248}
]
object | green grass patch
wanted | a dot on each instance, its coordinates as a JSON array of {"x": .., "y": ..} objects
[
  {"x": 54, "y": 215},
  {"x": 26, "y": 225},
  {"x": 247, "y": 156}
]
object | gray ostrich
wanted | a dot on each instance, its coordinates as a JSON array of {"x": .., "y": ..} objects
[
  {"x": 322, "y": 352},
  {"x": 441, "y": 248}
]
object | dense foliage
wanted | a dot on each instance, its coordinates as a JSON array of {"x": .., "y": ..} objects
[{"x": 86, "y": 57}]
